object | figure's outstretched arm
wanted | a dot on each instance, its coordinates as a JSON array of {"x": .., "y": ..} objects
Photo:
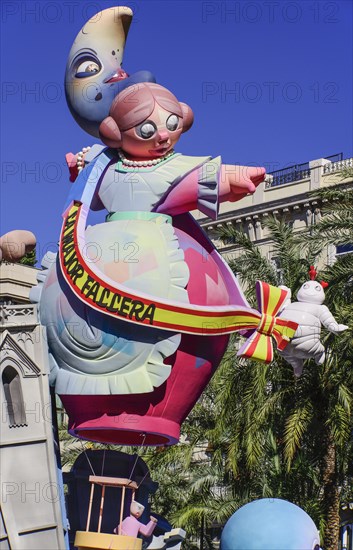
[
  {"x": 329, "y": 322},
  {"x": 208, "y": 185},
  {"x": 147, "y": 530},
  {"x": 237, "y": 181}
]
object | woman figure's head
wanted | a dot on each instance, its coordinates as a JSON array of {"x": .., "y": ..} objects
[
  {"x": 136, "y": 509},
  {"x": 146, "y": 121}
]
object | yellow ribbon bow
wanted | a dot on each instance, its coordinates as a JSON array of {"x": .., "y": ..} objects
[{"x": 259, "y": 345}]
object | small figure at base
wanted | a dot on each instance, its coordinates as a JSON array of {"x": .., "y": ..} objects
[{"x": 131, "y": 526}]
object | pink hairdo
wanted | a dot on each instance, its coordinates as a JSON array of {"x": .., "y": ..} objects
[
  {"x": 188, "y": 117},
  {"x": 135, "y": 104},
  {"x": 109, "y": 133}
]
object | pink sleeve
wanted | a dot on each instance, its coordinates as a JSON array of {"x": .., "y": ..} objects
[
  {"x": 181, "y": 197},
  {"x": 198, "y": 189},
  {"x": 148, "y": 529}
]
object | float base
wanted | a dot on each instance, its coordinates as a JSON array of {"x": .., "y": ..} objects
[{"x": 87, "y": 540}]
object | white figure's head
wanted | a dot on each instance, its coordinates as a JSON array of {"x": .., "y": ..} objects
[
  {"x": 136, "y": 509},
  {"x": 311, "y": 292}
]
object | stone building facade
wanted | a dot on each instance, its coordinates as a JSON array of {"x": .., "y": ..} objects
[
  {"x": 289, "y": 197},
  {"x": 31, "y": 492}
]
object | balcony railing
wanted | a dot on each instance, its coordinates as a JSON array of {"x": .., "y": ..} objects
[
  {"x": 292, "y": 173},
  {"x": 298, "y": 172},
  {"x": 338, "y": 165}
]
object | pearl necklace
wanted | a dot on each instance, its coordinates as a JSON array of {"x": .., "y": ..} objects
[
  {"x": 143, "y": 163},
  {"x": 80, "y": 161}
]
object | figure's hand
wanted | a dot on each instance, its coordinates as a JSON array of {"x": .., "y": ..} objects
[
  {"x": 155, "y": 520},
  {"x": 341, "y": 328},
  {"x": 241, "y": 180},
  {"x": 337, "y": 328}
]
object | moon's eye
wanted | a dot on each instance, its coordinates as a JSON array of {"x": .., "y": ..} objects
[
  {"x": 87, "y": 66},
  {"x": 172, "y": 123},
  {"x": 306, "y": 286},
  {"x": 146, "y": 130},
  {"x": 318, "y": 288}
]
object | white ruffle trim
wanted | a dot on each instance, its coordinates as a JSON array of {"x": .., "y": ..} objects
[
  {"x": 142, "y": 379},
  {"x": 81, "y": 359}
]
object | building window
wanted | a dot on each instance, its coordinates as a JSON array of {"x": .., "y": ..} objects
[
  {"x": 342, "y": 249},
  {"x": 13, "y": 396},
  {"x": 346, "y": 542}
]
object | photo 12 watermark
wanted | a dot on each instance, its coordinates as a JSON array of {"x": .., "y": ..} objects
[
  {"x": 269, "y": 92},
  {"x": 271, "y": 12},
  {"x": 42, "y": 12}
]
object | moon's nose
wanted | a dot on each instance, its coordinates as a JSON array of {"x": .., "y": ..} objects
[
  {"x": 121, "y": 73},
  {"x": 117, "y": 75}
]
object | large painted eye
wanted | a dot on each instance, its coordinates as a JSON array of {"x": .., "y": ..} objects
[
  {"x": 305, "y": 285},
  {"x": 172, "y": 123},
  {"x": 318, "y": 288},
  {"x": 87, "y": 66},
  {"x": 146, "y": 130}
]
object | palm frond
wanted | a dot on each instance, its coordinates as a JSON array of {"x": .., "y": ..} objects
[{"x": 295, "y": 427}]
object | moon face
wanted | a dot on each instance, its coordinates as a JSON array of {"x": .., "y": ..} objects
[{"x": 94, "y": 75}]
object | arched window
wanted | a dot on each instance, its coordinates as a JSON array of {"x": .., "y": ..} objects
[{"x": 14, "y": 399}]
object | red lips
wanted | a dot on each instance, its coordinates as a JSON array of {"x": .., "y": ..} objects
[{"x": 119, "y": 75}]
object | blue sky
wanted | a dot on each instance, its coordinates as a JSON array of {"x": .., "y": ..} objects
[{"x": 270, "y": 83}]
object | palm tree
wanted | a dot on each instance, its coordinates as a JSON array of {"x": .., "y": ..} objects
[
  {"x": 336, "y": 228},
  {"x": 294, "y": 437},
  {"x": 29, "y": 258}
]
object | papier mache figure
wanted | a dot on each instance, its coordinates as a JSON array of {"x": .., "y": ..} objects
[
  {"x": 132, "y": 527},
  {"x": 151, "y": 246},
  {"x": 129, "y": 303},
  {"x": 310, "y": 314}
]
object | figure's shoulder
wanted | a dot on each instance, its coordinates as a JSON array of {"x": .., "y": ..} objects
[
  {"x": 191, "y": 158},
  {"x": 323, "y": 309},
  {"x": 94, "y": 151},
  {"x": 130, "y": 520},
  {"x": 186, "y": 163}
]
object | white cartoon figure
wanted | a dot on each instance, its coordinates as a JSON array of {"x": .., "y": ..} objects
[{"x": 310, "y": 313}]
